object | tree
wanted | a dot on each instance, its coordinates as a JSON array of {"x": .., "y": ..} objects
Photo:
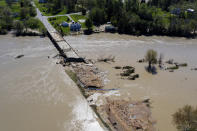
[
  {"x": 6, "y": 18},
  {"x": 186, "y": 118},
  {"x": 9, "y": 2},
  {"x": 24, "y": 13},
  {"x": 89, "y": 24},
  {"x": 161, "y": 60},
  {"x": 32, "y": 23},
  {"x": 32, "y": 11},
  {"x": 151, "y": 58},
  {"x": 98, "y": 16},
  {"x": 19, "y": 27}
]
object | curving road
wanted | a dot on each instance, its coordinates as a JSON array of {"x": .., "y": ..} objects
[{"x": 44, "y": 19}]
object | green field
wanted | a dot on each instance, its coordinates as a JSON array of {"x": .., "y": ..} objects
[
  {"x": 44, "y": 9},
  {"x": 78, "y": 17},
  {"x": 56, "y": 21}
]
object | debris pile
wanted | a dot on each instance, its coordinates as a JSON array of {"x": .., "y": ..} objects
[
  {"x": 88, "y": 77},
  {"x": 127, "y": 72},
  {"x": 129, "y": 115},
  {"x": 106, "y": 59}
]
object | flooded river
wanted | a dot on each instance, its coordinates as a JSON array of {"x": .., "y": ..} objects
[
  {"x": 35, "y": 93},
  {"x": 168, "y": 91}
]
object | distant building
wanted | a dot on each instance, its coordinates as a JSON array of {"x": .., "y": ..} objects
[
  {"x": 75, "y": 26},
  {"x": 176, "y": 11},
  {"x": 144, "y": 1},
  {"x": 190, "y": 10},
  {"x": 42, "y": 1}
]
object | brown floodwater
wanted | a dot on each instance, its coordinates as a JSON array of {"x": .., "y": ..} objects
[
  {"x": 35, "y": 92},
  {"x": 168, "y": 91}
]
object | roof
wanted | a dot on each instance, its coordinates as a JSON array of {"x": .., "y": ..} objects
[
  {"x": 75, "y": 26},
  {"x": 176, "y": 11},
  {"x": 42, "y": 1},
  {"x": 190, "y": 10},
  {"x": 65, "y": 24}
]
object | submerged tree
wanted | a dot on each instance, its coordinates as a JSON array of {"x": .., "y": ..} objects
[
  {"x": 186, "y": 118},
  {"x": 151, "y": 58},
  {"x": 161, "y": 60}
]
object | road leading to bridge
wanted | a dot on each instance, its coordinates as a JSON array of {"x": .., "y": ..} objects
[{"x": 60, "y": 43}]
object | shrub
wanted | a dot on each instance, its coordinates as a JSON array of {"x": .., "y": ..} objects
[
  {"x": 185, "y": 118},
  {"x": 83, "y": 11},
  {"x": 151, "y": 57},
  {"x": 33, "y": 23},
  {"x": 173, "y": 68},
  {"x": 118, "y": 67},
  {"x": 32, "y": 11}
]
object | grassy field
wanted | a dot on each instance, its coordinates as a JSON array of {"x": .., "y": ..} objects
[
  {"x": 78, "y": 17},
  {"x": 43, "y": 8},
  {"x": 56, "y": 21}
]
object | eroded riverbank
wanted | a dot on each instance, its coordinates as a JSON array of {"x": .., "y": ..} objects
[
  {"x": 167, "y": 91},
  {"x": 35, "y": 93}
]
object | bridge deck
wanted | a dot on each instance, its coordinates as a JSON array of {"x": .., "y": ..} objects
[{"x": 60, "y": 43}]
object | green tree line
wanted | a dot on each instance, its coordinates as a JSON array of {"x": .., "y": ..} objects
[
  {"x": 137, "y": 18},
  {"x": 19, "y": 19}
]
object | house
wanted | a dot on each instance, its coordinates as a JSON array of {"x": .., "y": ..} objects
[
  {"x": 64, "y": 24},
  {"x": 190, "y": 10},
  {"x": 42, "y": 1},
  {"x": 75, "y": 26}
]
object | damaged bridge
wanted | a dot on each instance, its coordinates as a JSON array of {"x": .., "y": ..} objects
[
  {"x": 64, "y": 48},
  {"x": 59, "y": 42}
]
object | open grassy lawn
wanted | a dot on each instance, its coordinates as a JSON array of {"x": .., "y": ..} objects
[
  {"x": 44, "y": 9},
  {"x": 56, "y": 21},
  {"x": 78, "y": 17}
]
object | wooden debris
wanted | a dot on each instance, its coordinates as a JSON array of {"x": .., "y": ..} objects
[{"x": 19, "y": 56}]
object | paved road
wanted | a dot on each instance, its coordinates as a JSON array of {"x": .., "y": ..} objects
[
  {"x": 44, "y": 20},
  {"x": 68, "y": 15}
]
